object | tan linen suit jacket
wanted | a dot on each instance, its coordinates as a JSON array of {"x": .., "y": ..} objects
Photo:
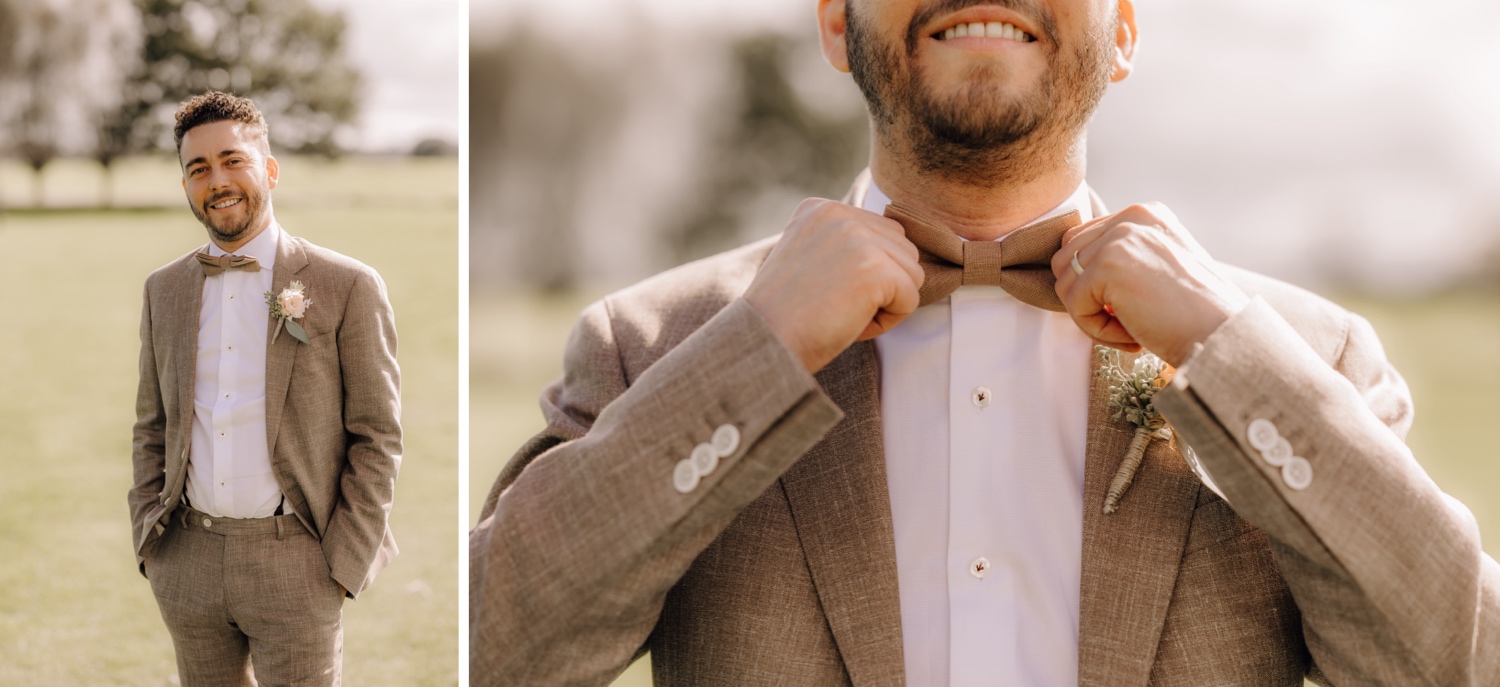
[
  {"x": 333, "y": 406},
  {"x": 779, "y": 567}
]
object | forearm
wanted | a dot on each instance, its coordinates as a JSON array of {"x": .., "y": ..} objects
[
  {"x": 570, "y": 567},
  {"x": 1388, "y": 573}
]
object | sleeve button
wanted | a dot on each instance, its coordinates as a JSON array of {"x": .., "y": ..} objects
[
  {"x": 1279, "y": 453},
  {"x": 685, "y": 476},
  {"x": 705, "y": 459},
  {"x": 1297, "y": 473},
  {"x": 726, "y": 440},
  {"x": 1262, "y": 434}
]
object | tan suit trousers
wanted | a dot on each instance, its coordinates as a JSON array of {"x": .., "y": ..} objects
[{"x": 247, "y": 601}]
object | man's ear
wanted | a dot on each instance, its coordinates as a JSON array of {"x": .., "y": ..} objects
[
  {"x": 273, "y": 171},
  {"x": 1126, "y": 39},
  {"x": 831, "y": 27}
]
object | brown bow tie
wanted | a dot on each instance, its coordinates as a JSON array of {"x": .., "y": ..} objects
[
  {"x": 1021, "y": 263},
  {"x": 216, "y": 265}
]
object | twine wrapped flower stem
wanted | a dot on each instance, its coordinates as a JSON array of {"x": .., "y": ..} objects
[{"x": 1130, "y": 398}]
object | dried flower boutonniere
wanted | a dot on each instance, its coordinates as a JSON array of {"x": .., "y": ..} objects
[
  {"x": 1130, "y": 397},
  {"x": 287, "y": 307}
]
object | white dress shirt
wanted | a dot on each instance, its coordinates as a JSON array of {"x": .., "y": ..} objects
[
  {"x": 229, "y": 467},
  {"x": 984, "y": 403}
]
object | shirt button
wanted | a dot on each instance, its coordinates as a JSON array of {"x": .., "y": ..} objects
[
  {"x": 221, "y": 434},
  {"x": 1297, "y": 473},
  {"x": 1262, "y": 434},
  {"x": 208, "y": 523},
  {"x": 981, "y": 396},
  {"x": 231, "y": 296},
  {"x": 979, "y": 567},
  {"x": 726, "y": 440},
  {"x": 705, "y": 459},
  {"x": 685, "y": 476}
]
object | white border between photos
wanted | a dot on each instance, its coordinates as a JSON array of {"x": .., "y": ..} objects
[{"x": 463, "y": 344}]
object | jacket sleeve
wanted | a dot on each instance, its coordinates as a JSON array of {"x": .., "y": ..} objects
[
  {"x": 1386, "y": 569},
  {"x": 588, "y": 527},
  {"x": 148, "y": 443},
  {"x": 372, "y": 424}
]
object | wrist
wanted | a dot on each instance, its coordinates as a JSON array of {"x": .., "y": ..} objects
[{"x": 1217, "y": 310}]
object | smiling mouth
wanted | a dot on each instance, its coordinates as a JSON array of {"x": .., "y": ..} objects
[
  {"x": 993, "y": 29},
  {"x": 226, "y": 203}
]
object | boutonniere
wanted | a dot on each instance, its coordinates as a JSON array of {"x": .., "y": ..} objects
[
  {"x": 1130, "y": 397},
  {"x": 287, "y": 307}
]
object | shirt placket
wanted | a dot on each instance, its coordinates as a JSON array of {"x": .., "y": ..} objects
[
  {"x": 223, "y": 415},
  {"x": 981, "y": 581}
]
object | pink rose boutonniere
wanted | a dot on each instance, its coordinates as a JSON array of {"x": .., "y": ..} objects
[{"x": 287, "y": 307}]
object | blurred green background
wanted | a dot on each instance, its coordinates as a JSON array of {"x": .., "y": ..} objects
[{"x": 76, "y": 611}]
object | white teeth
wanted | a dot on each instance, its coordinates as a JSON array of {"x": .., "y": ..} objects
[
  {"x": 225, "y": 203},
  {"x": 994, "y": 29}
]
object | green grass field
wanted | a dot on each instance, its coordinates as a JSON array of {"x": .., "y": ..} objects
[
  {"x": 1444, "y": 345},
  {"x": 76, "y": 611}
]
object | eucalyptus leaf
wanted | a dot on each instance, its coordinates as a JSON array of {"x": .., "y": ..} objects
[{"x": 296, "y": 331}]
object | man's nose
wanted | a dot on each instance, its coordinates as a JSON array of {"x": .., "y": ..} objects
[{"x": 217, "y": 180}]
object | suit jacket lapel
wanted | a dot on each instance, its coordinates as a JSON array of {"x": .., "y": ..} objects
[
  {"x": 841, "y": 506},
  {"x": 290, "y": 259},
  {"x": 1130, "y": 558},
  {"x": 187, "y": 301}
]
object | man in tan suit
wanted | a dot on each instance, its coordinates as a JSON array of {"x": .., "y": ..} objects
[
  {"x": 872, "y": 450},
  {"x": 268, "y": 433}
]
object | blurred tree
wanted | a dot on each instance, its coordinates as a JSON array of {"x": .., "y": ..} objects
[
  {"x": 775, "y": 142},
  {"x": 42, "y": 47},
  {"x": 286, "y": 54},
  {"x": 60, "y": 66},
  {"x": 538, "y": 117}
]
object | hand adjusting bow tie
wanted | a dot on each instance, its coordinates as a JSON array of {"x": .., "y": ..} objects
[
  {"x": 216, "y": 265},
  {"x": 1021, "y": 263}
]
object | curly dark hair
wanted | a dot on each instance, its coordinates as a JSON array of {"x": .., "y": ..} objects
[{"x": 216, "y": 106}]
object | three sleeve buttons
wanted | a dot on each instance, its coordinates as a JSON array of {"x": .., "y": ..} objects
[
  {"x": 705, "y": 458},
  {"x": 1296, "y": 472}
]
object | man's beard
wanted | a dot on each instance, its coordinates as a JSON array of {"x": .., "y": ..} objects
[
  {"x": 255, "y": 206},
  {"x": 978, "y": 135}
]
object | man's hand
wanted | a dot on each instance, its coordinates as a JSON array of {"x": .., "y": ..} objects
[
  {"x": 1145, "y": 282},
  {"x": 839, "y": 275}
]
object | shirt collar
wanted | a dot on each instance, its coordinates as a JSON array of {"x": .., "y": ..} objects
[
  {"x": 263, "y": 247},
  {"x": 876, "y": 200}
]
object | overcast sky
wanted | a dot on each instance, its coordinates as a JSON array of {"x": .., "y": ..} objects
[{"x": 409, "y": 52}]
